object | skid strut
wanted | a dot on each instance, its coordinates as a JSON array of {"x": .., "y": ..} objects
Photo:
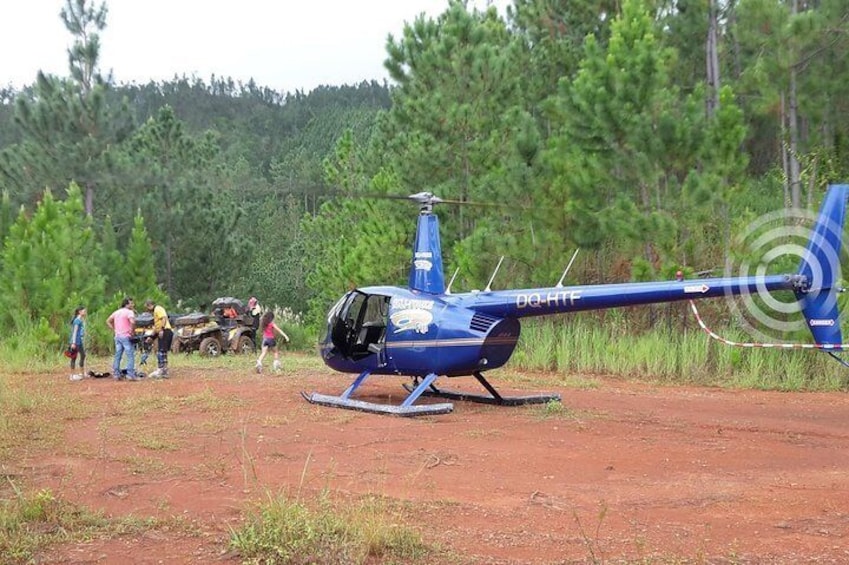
[
  {"x": 406, "y": 408},
  {"x": 493, "y": 398}
]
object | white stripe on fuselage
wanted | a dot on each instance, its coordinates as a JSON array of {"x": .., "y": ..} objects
[{"x": 460, "y": 342}]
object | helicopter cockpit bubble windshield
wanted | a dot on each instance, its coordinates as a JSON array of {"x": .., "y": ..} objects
[{"x": 356, "y": 325}]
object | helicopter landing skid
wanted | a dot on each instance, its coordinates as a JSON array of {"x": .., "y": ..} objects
[
  {"x": 351, "y": 404},
  {"x": 493, "y": 398},
  {"x": 406, "y": 408}
]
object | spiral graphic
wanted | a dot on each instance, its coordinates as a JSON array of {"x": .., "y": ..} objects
[{"x": 780, "y": 238}]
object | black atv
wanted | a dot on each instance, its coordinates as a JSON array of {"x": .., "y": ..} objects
[{"x": 229, "y": 327}]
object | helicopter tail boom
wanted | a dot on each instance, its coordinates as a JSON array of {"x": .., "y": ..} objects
[{"x": 815, "y": 284}]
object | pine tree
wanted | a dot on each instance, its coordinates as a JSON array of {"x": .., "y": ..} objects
[
  {"x": 47, "y": 268},
  {"x": 552, "y": 34},
  {"x": 110, "y": 260},
  {"x": 7, "y": 214},
  {"x": 376, "y": 251},
  {"x": 69, "y": 127},
  {"x": 193, "y": 202},
  {"x": 793, "y": 71},
  {"x": 353, "y": 242},
  {"x": 139, "y": 273},
  {"x": 459, "y": 126},
  {"x": 636, "y": 156}
]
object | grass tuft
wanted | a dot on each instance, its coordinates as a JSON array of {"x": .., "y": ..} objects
[
  {"x": 287, "y": 530},
  {"x": 553, "y": 409},
  {"x": 31, "y": 522}
]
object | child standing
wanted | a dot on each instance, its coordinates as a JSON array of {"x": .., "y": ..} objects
[
  {"x": 269, "y": 340},
  {"x": 75, "y": 344}
]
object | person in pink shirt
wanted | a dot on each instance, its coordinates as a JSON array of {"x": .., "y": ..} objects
[
  {"x": 122, "y": 321},
  {"x": 269, "y": 340}
]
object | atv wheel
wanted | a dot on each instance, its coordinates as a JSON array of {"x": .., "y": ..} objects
[
  {"x": 245, "y": 345},
  {"x": 210, "y": 347}
]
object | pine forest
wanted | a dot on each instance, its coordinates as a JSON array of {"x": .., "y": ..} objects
[{"x": 645, "y": 133}]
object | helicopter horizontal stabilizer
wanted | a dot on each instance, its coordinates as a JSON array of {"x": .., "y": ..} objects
[
  {"x": 820, "y": 265},
  {"x": 373, "y": 407}
]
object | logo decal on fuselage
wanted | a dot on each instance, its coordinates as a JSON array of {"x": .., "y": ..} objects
[
  {"x": 423, "y": 264},
  {"x": 405, "y": 320},
  {"x": 411, "y": 315},
  {"x": 422, "y": 260}
]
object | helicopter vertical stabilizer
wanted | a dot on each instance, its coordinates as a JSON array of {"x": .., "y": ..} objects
[
  {"x": 821, "y": 266},
  {"x": 426, "y": 269}
]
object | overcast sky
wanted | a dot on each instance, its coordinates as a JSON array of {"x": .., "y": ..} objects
[{"x": 282, "y": 44}]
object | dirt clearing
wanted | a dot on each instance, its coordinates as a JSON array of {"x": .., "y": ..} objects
[{"x": 624, "y": 472}]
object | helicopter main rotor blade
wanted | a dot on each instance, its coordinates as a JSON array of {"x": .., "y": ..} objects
[{"x": 428, "y": 199}]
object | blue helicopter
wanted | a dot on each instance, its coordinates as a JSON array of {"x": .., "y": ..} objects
[{"x": 425, "y": 331}]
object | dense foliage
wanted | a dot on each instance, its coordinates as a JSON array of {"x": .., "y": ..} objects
[{"x": 643, "y": 131}]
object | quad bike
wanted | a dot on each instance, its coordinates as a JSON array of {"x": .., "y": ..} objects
[{"x": 216, "y": 333}]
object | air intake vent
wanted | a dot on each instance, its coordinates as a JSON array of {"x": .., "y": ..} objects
[{"x": 482, "y": 323}]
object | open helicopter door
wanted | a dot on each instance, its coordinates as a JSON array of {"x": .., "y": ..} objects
[{"x": 359, "y": 328}]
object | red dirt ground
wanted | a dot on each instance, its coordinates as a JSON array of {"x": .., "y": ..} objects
[{"x": 629, "y": 473}]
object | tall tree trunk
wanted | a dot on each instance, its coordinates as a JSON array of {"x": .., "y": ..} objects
[
  {"x": 793, "y": 124},
  {"x": 89, "y": 199},
  {"x": 712, "y": 61},
  {"x": 732, "y": 23},
  {"x": 793, "y": 152},
  {"x": 169, "y": 241},
  {"x": 784, "y": 157}
]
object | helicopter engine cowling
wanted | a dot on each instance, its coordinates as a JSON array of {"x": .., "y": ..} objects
[
  {"x": 446, "y": 339},
  {"x": 500, "y": 338}
]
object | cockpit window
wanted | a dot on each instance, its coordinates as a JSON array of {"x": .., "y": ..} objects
[
  {"x": 331, "y": 316},
  {"x": 355, "y": 307}
]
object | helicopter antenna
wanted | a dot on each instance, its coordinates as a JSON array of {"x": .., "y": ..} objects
[
  {"x": 569, "y": 266},
  {"x": 454, "y": 276},
  {"x": 492, "y": 278}
]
